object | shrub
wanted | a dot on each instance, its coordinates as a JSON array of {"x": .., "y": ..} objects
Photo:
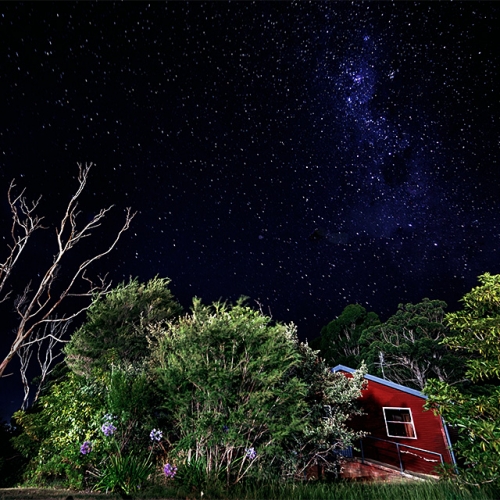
[{"x": 236, "y": 390}]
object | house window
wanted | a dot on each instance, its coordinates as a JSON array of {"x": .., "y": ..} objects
[{"x": 399, "y": 423}]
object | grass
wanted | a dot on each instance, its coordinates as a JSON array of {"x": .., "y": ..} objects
[
  {"x": 414, "y": 490},
  {"x": 366, "y": 491},
  {"x": 51, "y": 494},
  {"x": 410, "y": 490}
]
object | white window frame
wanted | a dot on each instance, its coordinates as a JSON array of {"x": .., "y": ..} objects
[{"x": 387, "y": 422}]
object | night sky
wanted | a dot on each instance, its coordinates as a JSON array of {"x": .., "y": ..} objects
[{"x": 306, "y": 155}]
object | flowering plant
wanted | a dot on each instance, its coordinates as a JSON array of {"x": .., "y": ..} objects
[
  {"x": 108, "y": 429},
  {"x": 86, "y": 448},
  {"x": 126, "y": 472},
  {"x": 170, "y": 471},
  {"x": 156, "y": 435}
]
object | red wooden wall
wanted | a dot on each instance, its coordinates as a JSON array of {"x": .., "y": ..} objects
[{"x": 430, "y": 432}]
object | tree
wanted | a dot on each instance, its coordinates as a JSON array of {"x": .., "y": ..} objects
[
  {"x": 407, "y": 348},
  {"x": 477, "y": 329},
  {"x": 340, "y": 341},
  {"x": 238, "y": 392},
  {"x": 475, "y": 410},
  {"x": 52, "y": 431},
  {"x": 226, "y": 391},
  {"x": 332, "y": 399},
  {"x": 115, "y": 331},
  {"x": 107, "y": 356},
  {"x": 45, "y": 342},
  {"x": 38, "y": 304}
]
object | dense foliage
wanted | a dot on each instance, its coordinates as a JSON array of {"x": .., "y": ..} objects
[
  {"x": 115, "y": 329},
  {"x": 107, "y": 358},
  {"x": 241, "y": 394},
  {"x": 54, "y": 429},
  {"x": 218, "y": 395},
  {"x": 341, "y": 342},
  {"x": 407, "y": 348},
  {"x": 223, "y": 396},
  {"x": 475, "y": 411}
]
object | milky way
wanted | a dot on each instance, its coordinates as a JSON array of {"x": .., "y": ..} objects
[{"x": 238, "y": 130}]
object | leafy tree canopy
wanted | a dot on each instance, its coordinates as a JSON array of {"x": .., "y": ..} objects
[
  {"x": 232, "y": 381},
  {"x": 408, "y": 347},
  {"x": 52, "y": 431},
  {"x": 476, "y": 412},
  {"x": 341, "y": 339},
  {"x": 477, "y": 329},
  {"x": 115, "y": 329}
]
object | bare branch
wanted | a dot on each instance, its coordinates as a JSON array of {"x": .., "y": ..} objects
[
  {"x": 45, "y": 354},
  {"x": 24, "y": 223},
  {"x": 37, "y": 305},
  {"x": 25, "y": 357},
  {"x": 46, "y": 361}
]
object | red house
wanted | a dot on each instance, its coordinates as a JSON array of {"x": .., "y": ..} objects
[{"x": 400, "y": 432}]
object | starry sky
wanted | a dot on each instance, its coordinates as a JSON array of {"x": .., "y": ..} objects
[{"x": 308, "y": 155}]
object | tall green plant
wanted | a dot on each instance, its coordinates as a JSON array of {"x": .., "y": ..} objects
[
  {"x": 233, "y": 386},
  {"x": 123, "y": 468},
  {"x": 107, "y": 357},
  {"x": 52, "y": 431},
  {"x": 129, "y": 396},
  {"x": 341, "y": 339},
  {"x": 115, "y": 330},
  {"x": 331, "y": 400},
  {"x": 475, "y": 412}
]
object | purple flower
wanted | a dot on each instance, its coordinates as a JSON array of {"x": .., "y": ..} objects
[
  {"x": 86, "y": 448},
  {"x": 156, "y": 435},
  {"x": 108, "y": 429},
  {"x": 251, "y": 453},
  {"x": 170, "y": 471}
]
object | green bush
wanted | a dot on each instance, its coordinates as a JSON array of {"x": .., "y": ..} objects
[
  {"x": 241, "y": 393},
  {"x": 54, "y": 429},
  {"x": 115, "y": 329},
  {"x": 475, "y": 412}
]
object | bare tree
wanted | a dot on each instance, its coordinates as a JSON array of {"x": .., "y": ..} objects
[
  {"x": 45, "y": 341},
  {"x": 38, "y": 303}
]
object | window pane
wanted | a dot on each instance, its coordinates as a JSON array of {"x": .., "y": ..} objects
[
  {"x": 396, "y": 429},
  {"x": 397, "y": 415},
  {"x": 399, "y": 422}
]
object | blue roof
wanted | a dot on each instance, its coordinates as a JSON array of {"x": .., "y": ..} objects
[{"x": 388, "y": 383}]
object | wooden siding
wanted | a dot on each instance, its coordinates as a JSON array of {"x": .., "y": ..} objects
[{"x": 430, "y": 432}]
